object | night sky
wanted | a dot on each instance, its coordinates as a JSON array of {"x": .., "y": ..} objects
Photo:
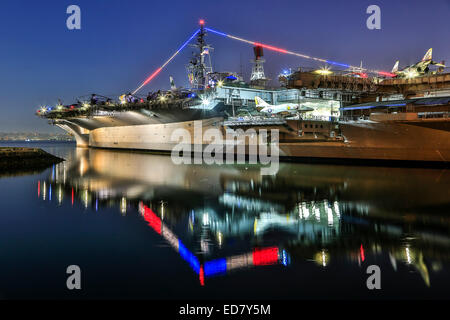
[{"x": 122, "y": 42}]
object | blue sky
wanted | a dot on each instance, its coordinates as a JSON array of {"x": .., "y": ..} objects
[{"x": 122, "y": 42}]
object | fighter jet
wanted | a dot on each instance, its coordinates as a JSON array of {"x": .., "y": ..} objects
[
  {"x": 418, "y": 69},
  {"x": 286, "y": 108}
]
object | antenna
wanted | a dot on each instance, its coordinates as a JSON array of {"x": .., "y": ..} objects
[{"x": 258, "y": 77}]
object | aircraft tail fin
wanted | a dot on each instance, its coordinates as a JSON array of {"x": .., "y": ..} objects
[
  {"x": 428, "y": 55},
  {"x": 172, "y": 83},
  {"x": 395, "y": 68},
  {"x": 260, "y": 103}
]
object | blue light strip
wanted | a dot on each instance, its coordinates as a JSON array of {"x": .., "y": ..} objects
[
  {"x": 338, "y": 64},
  {"x": 217, "y": 32},
  {"x": 189, "y": 40}
]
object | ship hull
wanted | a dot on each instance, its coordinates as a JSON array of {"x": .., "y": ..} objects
[
  {"x": 370, "y": 141},
  {"x": 422, "y": 141}
]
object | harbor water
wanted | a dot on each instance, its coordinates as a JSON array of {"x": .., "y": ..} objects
[{"x": 140, "y": 226}]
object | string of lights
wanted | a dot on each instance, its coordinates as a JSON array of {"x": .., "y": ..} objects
[
  {"x": 254, "y": 43},
  {"x": 155, "y": 73}
]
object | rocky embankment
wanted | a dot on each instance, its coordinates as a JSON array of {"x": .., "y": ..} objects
[{"x": 25, "y": 160}]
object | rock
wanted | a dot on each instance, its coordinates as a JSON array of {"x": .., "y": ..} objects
[{"x": 25, "y": 160}]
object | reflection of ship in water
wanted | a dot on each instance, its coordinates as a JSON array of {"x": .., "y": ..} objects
[{"x": 316, "y": 213}]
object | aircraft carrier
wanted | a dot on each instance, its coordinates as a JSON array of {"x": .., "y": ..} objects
[{"x": 329, "y": 115}]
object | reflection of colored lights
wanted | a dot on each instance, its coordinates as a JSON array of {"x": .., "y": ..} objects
[
  {"x": 322, "y": 258},
  {"x": 205, "y": 219},
  {"x": 285, "y": 258},
  {"x": 241, "y": 261},
  {"x": 39, "y": 189},
  {"x": 259, "y": 257},
  {"x": 330, "y": 216},
  {"x": 170, "y": 237},
  {"x": 86, "y": 198},
  {"x": 44, "y": 191},
  {"x": 162, "y": 210},
  {"x": 72, "y": 197},
  {"x": 60, "y": 194},
  {"x": 361, "y": 249},
  {"x": 265, "y": 256},
  {"x": 336, "y": 208},
  {"x": 202, "y": 276},
  {"x": 220, "y": 238},
  {"x": 189, "y": 257},
  {"x": 153, "y": 220},
  {"x": 215, "y": 267},
  {"x": 123, "y": 205},
  {"x": 408, "y": 255}
]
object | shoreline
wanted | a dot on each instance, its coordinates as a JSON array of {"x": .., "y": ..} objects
[{"x": 15, "y": 160}]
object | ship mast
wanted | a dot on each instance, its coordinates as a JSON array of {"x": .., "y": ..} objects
[{"x": 199, "y": 66}]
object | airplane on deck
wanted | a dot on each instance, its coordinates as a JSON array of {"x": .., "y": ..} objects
[
  {"x": 285, "y": 108},
  {"x": 418, "y": 69}
]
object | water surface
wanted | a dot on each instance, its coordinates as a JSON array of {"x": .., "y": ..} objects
[{"x": 141, "y": 227}]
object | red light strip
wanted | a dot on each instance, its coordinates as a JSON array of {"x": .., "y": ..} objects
[
  {"x": 166, "y": 63},
  {"x": 270, "y": 47},
  {"x": 148, "y": 79}
]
